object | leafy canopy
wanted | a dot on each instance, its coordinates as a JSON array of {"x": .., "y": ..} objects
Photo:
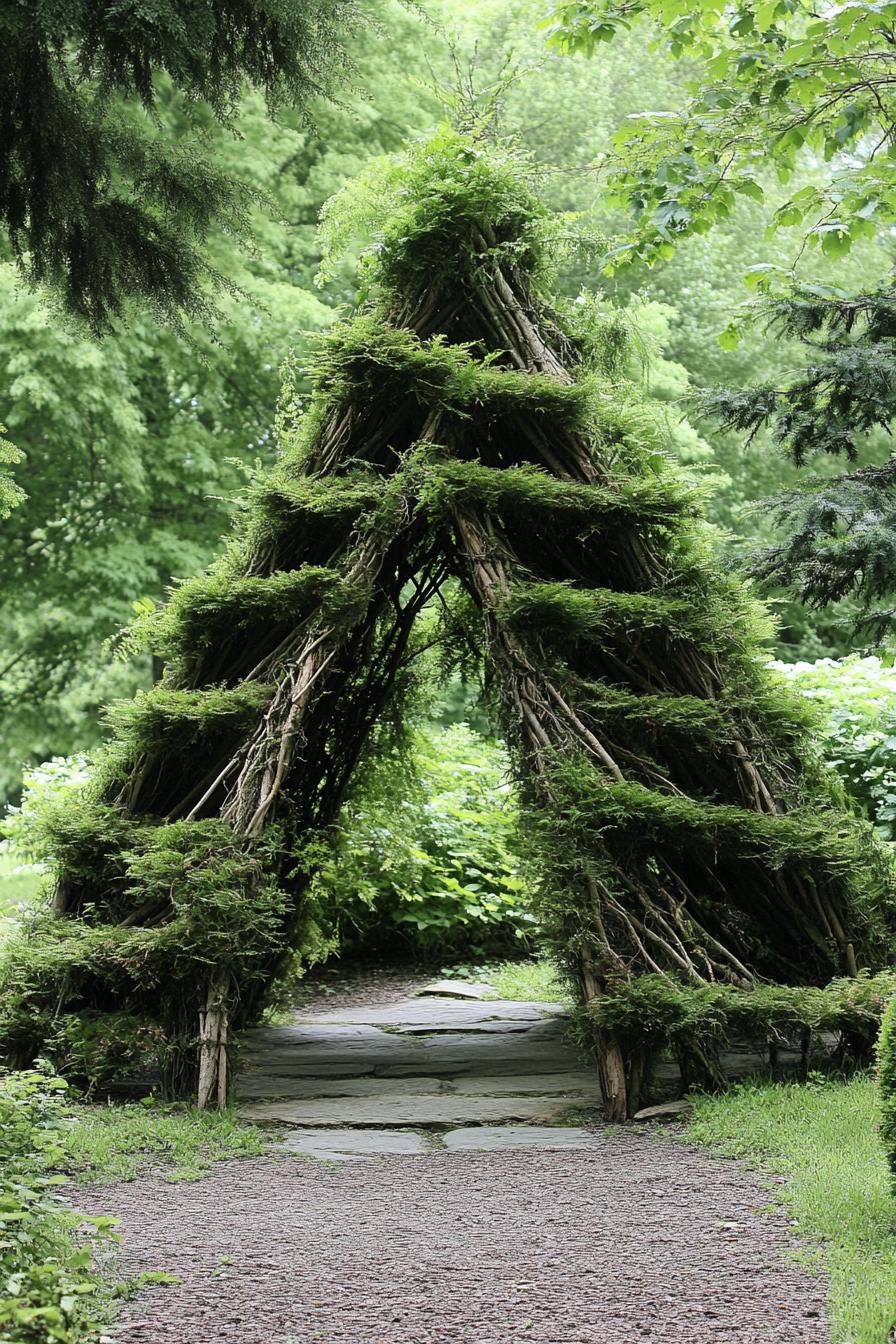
[{"x": 780, "y": 83}]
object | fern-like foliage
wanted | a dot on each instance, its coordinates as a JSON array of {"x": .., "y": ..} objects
[{"x": 839, "y": 534}]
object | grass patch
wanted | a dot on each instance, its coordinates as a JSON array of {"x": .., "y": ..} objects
[
  {"x": 119, "y": 1142},
  {"x": 823, "y": 1138},
  {"x": 538, "y": 980}
]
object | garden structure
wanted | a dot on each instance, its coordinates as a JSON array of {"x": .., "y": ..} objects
[{"x": 474, "y": 448}]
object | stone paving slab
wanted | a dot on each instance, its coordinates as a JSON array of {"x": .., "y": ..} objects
[
  {"x": 348, "y": 1145},
  {"x": 433, "y": 1014},
  {"x": 352, "y": 1145},
  {"x": 257, "y": 1086},
  {"x": 424, "y": 1111},
  {"x": 580, "y": 1081},
  {"x": 501, "y": 1138},
  {"x": 274, "y": 1057}
]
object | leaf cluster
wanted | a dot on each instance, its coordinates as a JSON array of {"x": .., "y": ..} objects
[
  {"x": 49, "y": 1290},
  {"x": 779, "y": 84}
]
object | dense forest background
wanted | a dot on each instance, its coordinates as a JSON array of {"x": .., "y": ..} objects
[{"x": 135, "y": 447}]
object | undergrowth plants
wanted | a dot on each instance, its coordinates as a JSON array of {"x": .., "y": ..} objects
[{"x": 48, "y": 1288}]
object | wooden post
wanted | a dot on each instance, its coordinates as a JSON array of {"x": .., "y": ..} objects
[
  {"x": 212, "y": 1088},
  {"x": 610, "y": 1059}
]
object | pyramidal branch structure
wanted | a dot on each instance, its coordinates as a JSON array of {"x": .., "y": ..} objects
[{"x": 460, "y": 428}]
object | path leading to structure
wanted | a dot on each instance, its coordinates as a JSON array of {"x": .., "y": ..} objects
[
  {"x": 454, "y": 1185},
  {"x": 417, "y": 1075}
]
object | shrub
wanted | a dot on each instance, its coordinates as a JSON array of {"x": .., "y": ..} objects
[
  {"x": 47, "y": 1289},
  {"x": 886, "y": 1064},
  {"x": 856, "y": 698},
  {"x": 697, "y": 1022},
  {"x": 426, "y": 857}
]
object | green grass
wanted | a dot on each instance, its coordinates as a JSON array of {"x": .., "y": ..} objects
[
  {"x": 119, "y": 1142},
  {"x": 823, "y": 1138},
  {"x": 538, "y": 980}
]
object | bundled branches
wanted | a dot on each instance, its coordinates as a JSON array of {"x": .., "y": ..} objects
[{"x": 682, "y": 824}]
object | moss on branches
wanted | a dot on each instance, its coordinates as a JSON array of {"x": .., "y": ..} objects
[{"x": 693, "y": 852}]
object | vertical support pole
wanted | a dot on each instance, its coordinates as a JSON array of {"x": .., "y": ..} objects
[
  {"x": 213, "y": 1023},
  {"x": 610, "y": 1059},
  {"x": 805, "y": 1052}
]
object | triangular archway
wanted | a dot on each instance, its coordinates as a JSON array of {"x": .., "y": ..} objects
[{"x": 459, "y": 427}]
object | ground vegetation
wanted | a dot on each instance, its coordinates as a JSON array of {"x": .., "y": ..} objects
[{"x": 821, "y": 1138}]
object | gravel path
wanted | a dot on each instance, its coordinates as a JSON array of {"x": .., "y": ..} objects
[
  {"x": 637, "y": 1238},
  {"x": 332, "y": 988}
]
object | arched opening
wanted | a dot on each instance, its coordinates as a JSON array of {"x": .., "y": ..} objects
[{"x": 461, "y": 429}]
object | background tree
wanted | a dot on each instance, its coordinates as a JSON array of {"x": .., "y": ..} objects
[
  {"x": 163, "y": 417},
  {"x": 135, "y": 447},
  {"x": 840, "y": 531},
  {"x": 788, "y": 89},
  {"x": 95, "y": 202},
  {"x": 771, "y": 82}
]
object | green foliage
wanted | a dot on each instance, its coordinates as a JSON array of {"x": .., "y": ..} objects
[
  {"x": 153, "y": 422},
  {"x": 118, "y": 1142},
  {"x": 538, "y": 980},
  {"x": 163, "y": 718},
  {"x": 95, "y": 201},
  {"x": 20, "y": 886},
  {"x": 159, "y": 425},
  {"x": 774, "y": 84},
  {"x": 426, "y": 856},
  {"x": 837, "y": 1193},
  {"x": 22, "y": 826},
  {"x": 659, "y": 1012},
  {"x": 840, "y": 532},
  {"x": 11, "y": 494},
  {"x": 886, "y": 1073},
  {"x": 48, "y": 1290},
  {"x": 856, "y": 700},
  {"x": 203, "y": 611},
  {"x": 527, "y": 493},
  {"x": 447, "y": 188},
  {"x": 226, "y": 910}
]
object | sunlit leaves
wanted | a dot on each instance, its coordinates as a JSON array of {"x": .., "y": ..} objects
[{"x": 778, "y": 85}]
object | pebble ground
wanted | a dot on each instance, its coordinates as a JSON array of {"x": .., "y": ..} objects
[{"x": 637, "y": 1238}]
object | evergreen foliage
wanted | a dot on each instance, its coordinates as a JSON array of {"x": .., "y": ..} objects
[
  {"x": 655, "y": 1012},
  {"x": 93, "y": 201},
  {"x": 886, "y": 1066},
  {"x": 842, "y": 531},
  {"x": 498, "y": 449}
]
